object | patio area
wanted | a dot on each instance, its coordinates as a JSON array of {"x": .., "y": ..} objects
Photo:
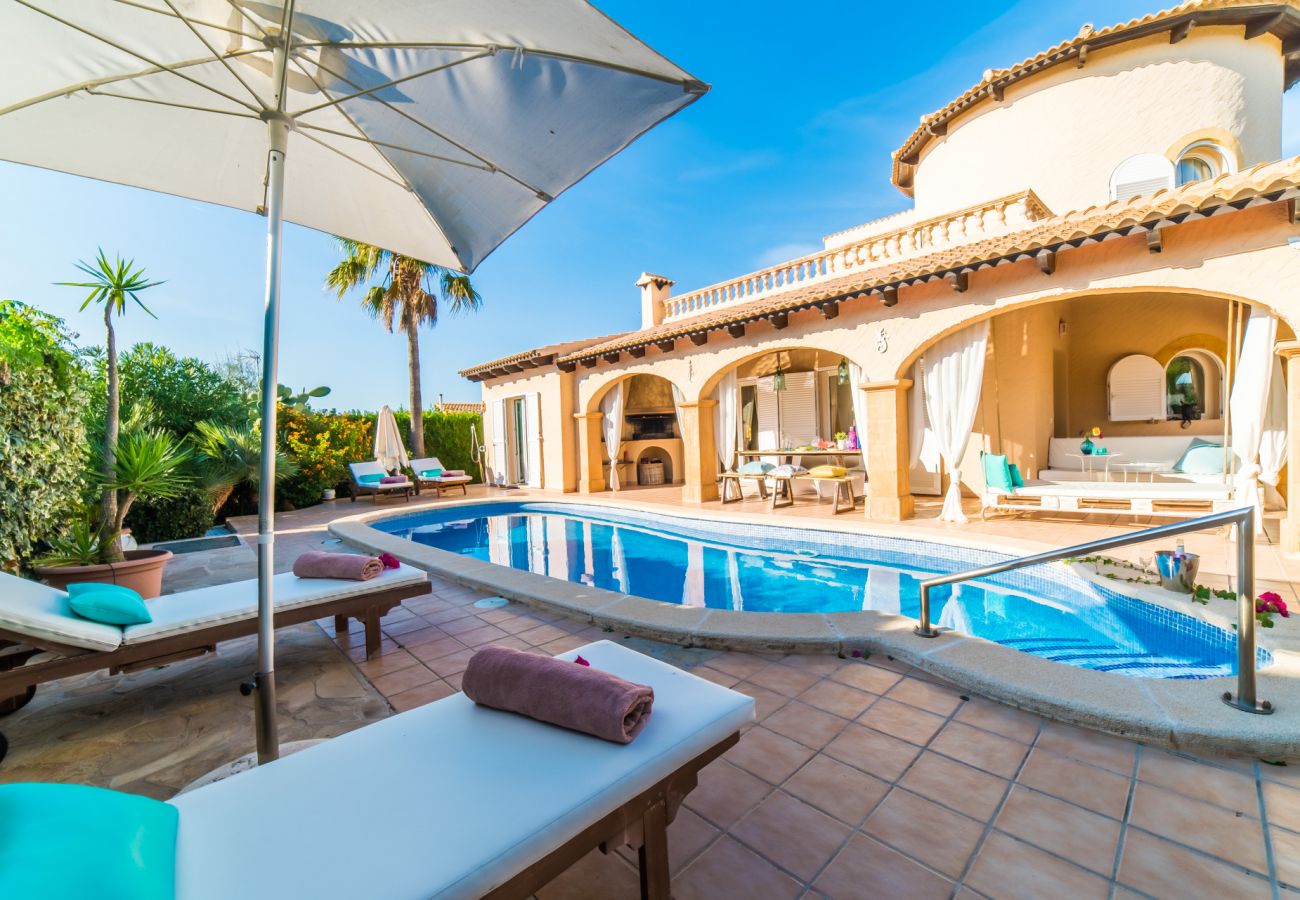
[{"x": 861, "y": 777}]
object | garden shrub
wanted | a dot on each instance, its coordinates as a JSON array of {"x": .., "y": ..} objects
[
  {"x": 446, "y": 436},
  {"x": 43, "y": 448},
  {"x": 189, "y": 515},
  {"x": 180, "y": 391},
  {"x": 321, "y": 444}
]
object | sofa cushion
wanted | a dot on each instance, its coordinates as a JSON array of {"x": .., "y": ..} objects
[
  {"x": 112, "y": 604},
  {"x": 756, "y": 467},
  {"x": 1201, "y": 457},
  {"x": 42, "y": 613},
  {"x": 828, "y": 471},
  {"x": 997, "y": 473},
  {"x": 69, "y": 840}
]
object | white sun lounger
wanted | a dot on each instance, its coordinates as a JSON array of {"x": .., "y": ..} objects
[
  {"x": 1116, "y": 498},
  {"x": 41, "y": 639},
  {"x": 454, "y": 800},
  {"x": 369, "y": 470},
  {"x": 439, "y": 483}
]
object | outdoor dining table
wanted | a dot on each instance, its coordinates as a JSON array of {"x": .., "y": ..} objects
[{"x": 788, "y": 456}]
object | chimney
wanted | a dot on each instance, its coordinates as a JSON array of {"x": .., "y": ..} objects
[{"x": 654, "y": 291}]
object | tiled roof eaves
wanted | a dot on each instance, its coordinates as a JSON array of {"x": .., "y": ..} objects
[{"x": 1266, "y": 183}]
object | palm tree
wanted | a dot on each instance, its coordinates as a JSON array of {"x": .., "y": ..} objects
[
  {"x": 402, "y": 290},
  {"x": 111, "y": 284}
]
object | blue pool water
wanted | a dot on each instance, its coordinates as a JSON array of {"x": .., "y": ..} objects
[{"x": 1048, "y": 611}]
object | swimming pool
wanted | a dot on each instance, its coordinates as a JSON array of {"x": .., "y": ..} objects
[{"x": 1048, "y": 611}]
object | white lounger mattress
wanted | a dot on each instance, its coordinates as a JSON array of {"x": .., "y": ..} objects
[
  {"x": 1104, "y": 490},
  {"x": 447, "y": 800}
]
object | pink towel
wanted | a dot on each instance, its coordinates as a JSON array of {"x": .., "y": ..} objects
[
  {"x": 452, "y": 473},
  {"x": 560, "y": 692},
  {"x": 353, "y": 566},
  {"x": 393, "y": 479}
]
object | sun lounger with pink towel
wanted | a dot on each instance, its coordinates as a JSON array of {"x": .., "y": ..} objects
[
  {"x": 353, "y": 566},
  {"x": 560, "y": 692},
  {"x": 393, "y": 479}
]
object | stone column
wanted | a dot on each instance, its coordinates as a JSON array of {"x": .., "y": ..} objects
[
  {"x": 889, "y": 489},
  {"x": 1290, "y": 353},
  {"x": 591, "y": 453},
  {"x": 698, "y": 451}
]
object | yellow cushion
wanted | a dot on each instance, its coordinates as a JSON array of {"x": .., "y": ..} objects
[{"x": 828, "y": 472}]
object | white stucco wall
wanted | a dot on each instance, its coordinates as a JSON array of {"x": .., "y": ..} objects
[
  {"x": 559, "y": 469},
  {"x": 1062, "y": 133}
]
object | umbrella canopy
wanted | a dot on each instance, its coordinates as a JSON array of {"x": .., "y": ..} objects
[
  {"x": 430, "y": 129},
  {"x": 390, "y": 452}
]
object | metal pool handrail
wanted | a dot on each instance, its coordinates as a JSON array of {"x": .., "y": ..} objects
[{"x": 1243, "y": 518}]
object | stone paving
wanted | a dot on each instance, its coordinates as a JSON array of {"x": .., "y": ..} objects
[{"x": 862, "y": 778}]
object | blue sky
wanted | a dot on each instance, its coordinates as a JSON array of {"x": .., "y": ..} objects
[{"x": 793, "y": 142}]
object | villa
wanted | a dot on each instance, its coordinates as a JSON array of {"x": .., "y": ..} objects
[{"x": 1101, "y": 236}]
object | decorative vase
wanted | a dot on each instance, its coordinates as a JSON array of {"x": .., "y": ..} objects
[
  {"x": 327, "y": 494},
  {"x": 1086, "y": 447}
]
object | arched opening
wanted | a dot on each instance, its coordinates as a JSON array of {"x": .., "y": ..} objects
[
  {"x": 1201, "y": 161},
  {"x": 1194, "y": 386},
  {"x": 647, "y": 438}
]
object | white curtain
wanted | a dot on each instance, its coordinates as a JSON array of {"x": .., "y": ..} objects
[
  {"x": 725, "y": 422},
  {"x": 954, "y": 372},
  {"x": 1249, "y": 402},
  {"x": 1272, "y": 448},
  {"x": 612, "y": 424},
  {"x": 857, "y": 380}
]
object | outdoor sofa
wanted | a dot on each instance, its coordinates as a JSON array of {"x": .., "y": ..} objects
[
  {"x": 41, "y": 639},
  {"x": 439, "y": 482},
  {"x": 366, "y": 479},
  {"x": 459, "y": 800}
]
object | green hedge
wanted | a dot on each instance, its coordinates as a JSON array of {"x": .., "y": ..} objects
[
  {"x": 43, "y": 448},
  {"x": 446, "y": 436},
  {"x": 188, "y": 516}
]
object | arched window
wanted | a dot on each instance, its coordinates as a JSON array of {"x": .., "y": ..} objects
[
  {"x": 1194, "y": 386},
  {"x": 1202, "y": 161}
]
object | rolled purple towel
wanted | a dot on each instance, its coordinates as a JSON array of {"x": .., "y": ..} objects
[
  {"x": 353, "y": 566},
  {"x": 453, "y": 473},
  {"x": 393, "y": 479},
  {"x": 559, "y": 692}
]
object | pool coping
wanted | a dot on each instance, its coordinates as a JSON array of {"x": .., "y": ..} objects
[{"x": 1184, "y": 714}]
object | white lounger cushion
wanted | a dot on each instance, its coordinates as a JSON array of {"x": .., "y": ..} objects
[
  {"x": 41, "y": 612},
  {"x": 205, "y": 607},
  {"x": 430, "y": 463},
  {"x": 1106, "y": 490},
  {"x": 446, "y": 800}
]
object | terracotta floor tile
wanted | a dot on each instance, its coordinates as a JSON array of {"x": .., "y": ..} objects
[
  {"x": 1286, "y": 857},
  {"x": 418, "y": 696},
  {"x": 914, "y": 725},
  {"x": 1083, "y": 837},
  {"x": 1195, "y": 779},
  {"x": 874, "y": 753},
  {"x": 1101, "y": 750},
  {"x": 687, "y": 837},
  {"x": 728, "y": 869},
  {"x": 843, "y": 791},
  {"x": 925, "y": 695},
  {"x": 726, "y": 792},
  {"x": 967, "y": 790},
  {"x": 456, "y": 681},
  {"x": 562, "y": 645},
  {"x": 742, "y": 665},
  {"x": 1008, "y": 868},
  {"x": 768, "y": 755},
  {"x": 784, "y": 680},
  {"x": 1100, "y": 790},
  {"x": 867, "y": 677},
  {"x": 805, "y": 724},
  {"x": 393, "y": 629},
  {"x": 542, "y": 634},
  {"x": 462, "y": 625},
  {"x": 837, "y": 698},
  {"x": 403, "y": 680},
  {"x": 476, "y": 637},
  {"x": 1013, "y": 723},
  {"x": 387, "y": 663},
  {"x": 1211, "y": 829},
  {"x": 435, "y": 647},
  {"x": 792, "y": 834},
  {"x": 766, "y": 701},
  {"x": 819, "y": 664},
  {"x": 867, "y": 868},
  {"x": 1283, "y": 805},
  {"x": 356, "y": 649},
  {"x": 512, "y": 642},
  {"x": 717, "y": 676},
  {"x": 451, "y": 663},
  {"x": 595, "y": 875},
  {"x": 1162, "y": 869},
  {"x": 981, "y": 749},
  {"x": 925, "y": 831}
]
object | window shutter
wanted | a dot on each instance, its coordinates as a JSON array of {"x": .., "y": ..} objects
[
  {"x": 533, "y": 428},
  {"x": 1145, "y": 173},
  {"x": 1135, "y": 388},
  {"x": 768, "y": 438},
  {"x": 498, "y": 473},
  {"x": 799, "y": 408}
]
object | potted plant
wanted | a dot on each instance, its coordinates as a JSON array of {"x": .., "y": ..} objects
[
  {"x": 148, "y": 465},
  {"x": 841, "y": 440}
]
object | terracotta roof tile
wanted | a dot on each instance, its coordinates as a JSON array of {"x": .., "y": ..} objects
[{"x": 533, "y": 356}]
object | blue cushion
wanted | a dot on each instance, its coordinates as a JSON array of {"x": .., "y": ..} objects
[
  {"x": 111, "y": 604},
  {"x": 68, "y": 840},
  {"x": 369, "y": 479},
  {"x": 1017, "y": 480},
  {"x": 431, "y": 473},
  {"x": 756, "y": 467},
  {"x": 1201, "y": 457},
  {"x": 997, "y": 474}
]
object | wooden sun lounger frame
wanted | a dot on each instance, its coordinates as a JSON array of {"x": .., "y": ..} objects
[
  {"x": 641, "y": 822},
  {"x": 1080, "y": 502},
  {"x": 18, "y": 681}
]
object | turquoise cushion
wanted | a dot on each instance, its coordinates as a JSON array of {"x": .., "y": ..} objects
[
  {"x": 72, "y": 841},
  {"x": 1017, "y": 480},
  {"x": 111, "y": 604},
  {"x": 431, "y": 473},
  {"x": 756, "y": 467},
  {"x": 369, "y": 479},
  {"x": 1201, "y": 457},
  {"x": 997, "y": 474}
]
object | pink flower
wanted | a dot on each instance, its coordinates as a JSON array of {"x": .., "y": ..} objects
[
  {"x": 389, "y": 561},
  {"x": 582, "y": 662},
  {"x": 1270, "y": 601}
]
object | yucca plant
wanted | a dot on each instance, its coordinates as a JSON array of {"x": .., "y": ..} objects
[
  {"x": 150, "y": 465},
  {"x": 78, "y": 546}
]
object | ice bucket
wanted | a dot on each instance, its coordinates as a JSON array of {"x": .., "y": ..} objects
[{"x": 1177, "y": 573}]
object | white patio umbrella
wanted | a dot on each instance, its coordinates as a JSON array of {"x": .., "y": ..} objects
[
  {"x": 431, "y": 129},
  {"x": 390, "y": 452}
]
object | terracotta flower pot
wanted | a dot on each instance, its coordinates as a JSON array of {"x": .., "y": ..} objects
[{"x": 142, "y": 571}]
